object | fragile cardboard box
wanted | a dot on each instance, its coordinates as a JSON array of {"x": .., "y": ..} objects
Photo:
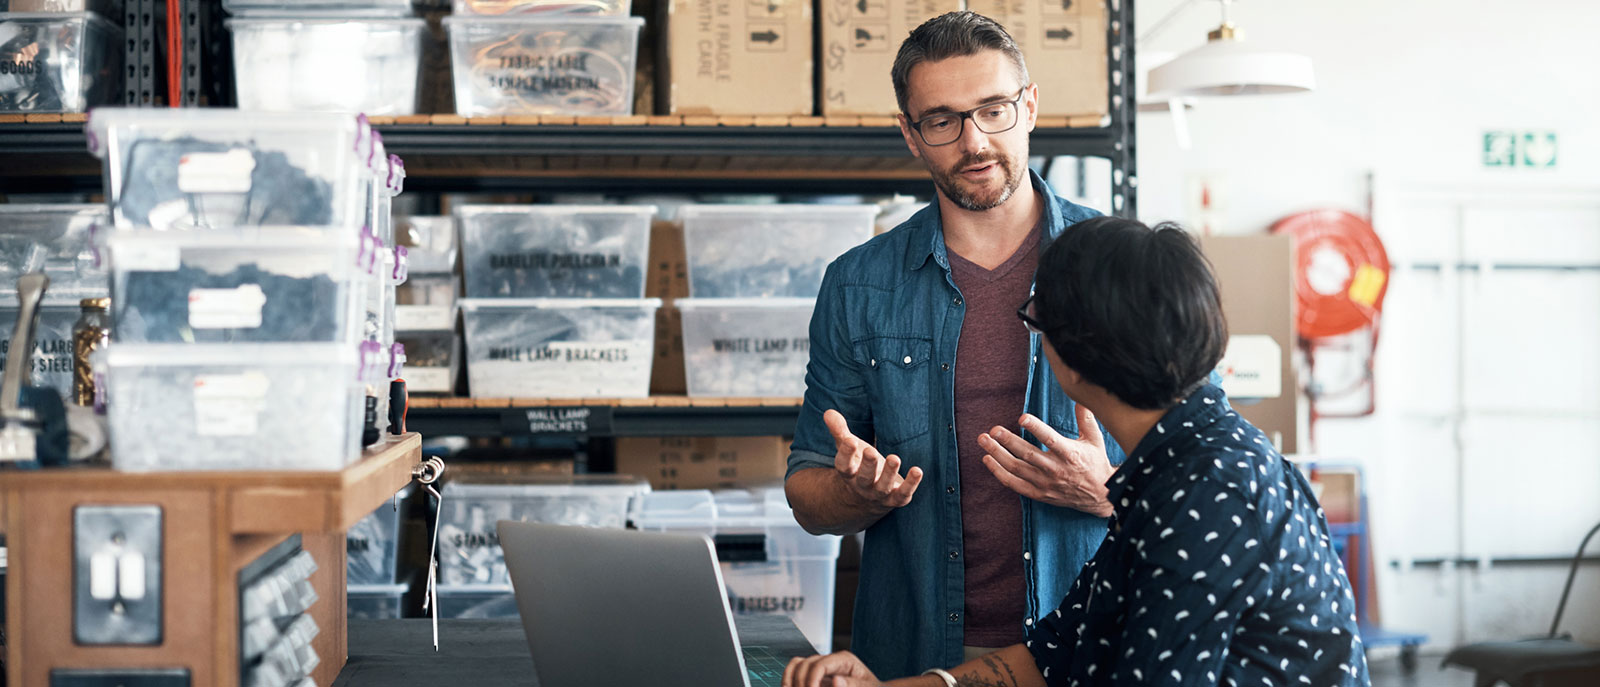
[
  {"x": 667, "y": 279},
  {"x": 735, "y": 57},
  {"x": 703, "y": 462},
  {"x": 1256, "y": 277},
  {"x": 859, "y": 39},
  {"x": 1064, "y": 45}
]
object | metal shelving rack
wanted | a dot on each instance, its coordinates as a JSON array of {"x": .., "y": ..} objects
[{"x": 43, "y": 156}]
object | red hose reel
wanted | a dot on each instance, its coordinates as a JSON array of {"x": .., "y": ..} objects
[{"x": 1341, "y": 278}]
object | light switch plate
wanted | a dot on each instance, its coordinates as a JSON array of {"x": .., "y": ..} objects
[{"x": 129, "y": 537}]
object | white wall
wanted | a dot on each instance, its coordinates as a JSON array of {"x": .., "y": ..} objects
[
  {"x": 1406, "y": 87},
  {"x": 1487, "y": 437}
]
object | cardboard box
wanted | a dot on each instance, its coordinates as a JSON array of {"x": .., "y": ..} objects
[
  {"x": 735, "y": 57},
  {"x": 703, "y": 462},
  {"x": 1256, "y": 276},
  {"x": 859, "y": 39},
  {"x": 667, "y": 279},
  {"x": 1064, "y": 44}
]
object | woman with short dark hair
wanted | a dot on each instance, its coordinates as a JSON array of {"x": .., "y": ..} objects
[{"x": 1218, "y": 568}]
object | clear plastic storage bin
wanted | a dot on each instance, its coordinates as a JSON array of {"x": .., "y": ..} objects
[
  {"x": 478, "y": 602},
  {"x": 375, "y": 601},
  {"x": 233, "y": 406},
  {"x": 58, "y": 62},
  {"x": 432, "y": 242},
  {"x": 327, "y": 65},
  {"x": 371, "y": 546},
  {"x": 201, "y": 168},
  {"x": 608, "y": 8},
  {"x": 56, "y": 240},
  {"x": 746, "y": 347},
  {"x": 559, "y": 65},
  {"x": 469, "y": 546},
  {"x": 264, "y": 286},
  {"x": 571, "y": 348},
  {"x": 52, "y": 352},
  {"x": 758, "y": 251},
  {"x": 555, "y": 251},
  {"x": 426, "y": 302},
  {"x": 769, "y": 563},
  {"x": 432, "y": 359}
]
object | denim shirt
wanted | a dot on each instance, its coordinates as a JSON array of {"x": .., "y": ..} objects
[{"x": 883, "y": 354}]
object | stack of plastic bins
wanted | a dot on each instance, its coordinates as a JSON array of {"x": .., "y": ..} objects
[
  {"x": 240, "y": 268},
  {"x": 473, "y": 582},
  {"x": 326, "y": 55},
  {"x": 388, "y": 271},
  {"x": 59, "y": 61},
  {"x": 56, "y": 240},
  {"x": 754, "y": 273},
  {"x": 555, "y": 303},
  {"x": 371, "y": 550},
  {"x": 425, "y": 305},
  {"x": 769, "y": 564}
]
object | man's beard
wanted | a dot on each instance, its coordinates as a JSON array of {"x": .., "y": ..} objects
[{"x": 949, "y": 182}]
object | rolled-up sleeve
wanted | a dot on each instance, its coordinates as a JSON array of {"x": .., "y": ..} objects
[{"x": 834, "y": 381}]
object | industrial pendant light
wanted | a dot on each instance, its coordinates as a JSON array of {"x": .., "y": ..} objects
[{"x": 1225, "y": 65}]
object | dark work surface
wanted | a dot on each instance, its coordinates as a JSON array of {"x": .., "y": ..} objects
[{"x": 479, "y": 653}]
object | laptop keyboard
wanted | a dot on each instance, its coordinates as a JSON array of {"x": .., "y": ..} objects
[{"x": 765, "y": 669}]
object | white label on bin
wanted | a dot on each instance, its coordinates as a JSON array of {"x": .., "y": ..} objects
[
  {"x": 426, "y": 379},
  {"x": 216, "y": 172},
  {"x": 565, "y": 369},
  {"x": 236, "y": 308},
  {"x": 229, "y": 405},
  {"x": 143, "y": 257},
  {"x": 423, "y": 318}
]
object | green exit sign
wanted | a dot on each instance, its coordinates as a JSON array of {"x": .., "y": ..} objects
[{"x": 1519, "y": 148}]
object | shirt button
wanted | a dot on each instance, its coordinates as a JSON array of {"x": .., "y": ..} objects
[
  {"x": 945, "y": 367},
  {"x": 1029, "y": 622},
  {"x": 955, "y": 617},
  {"x": 874, "y": 362},
  {"x": 949, "y": 490},
  {"x": 957, "y": 301},
  {"x": 954, "y": 555},
  {"x": 908, "y": 360},
  {"x": 950, "y": 427},
  {"x": 1027, "y": 555}
]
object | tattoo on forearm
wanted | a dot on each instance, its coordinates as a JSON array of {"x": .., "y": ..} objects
[{"x": 1002, "y": 675}]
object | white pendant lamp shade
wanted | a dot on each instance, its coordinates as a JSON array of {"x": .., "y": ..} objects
[{"x": 1225, "y": 66}]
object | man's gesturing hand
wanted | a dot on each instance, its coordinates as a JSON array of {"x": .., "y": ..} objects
[
  {"x": 871, "y": 477},
  {"x": 1069, "y": 472}
]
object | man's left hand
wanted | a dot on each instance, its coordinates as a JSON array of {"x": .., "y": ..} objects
[{"x": 1070, "y": 472}]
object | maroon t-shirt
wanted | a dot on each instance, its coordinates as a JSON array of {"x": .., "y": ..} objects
[{"x": 991, "y": 387}]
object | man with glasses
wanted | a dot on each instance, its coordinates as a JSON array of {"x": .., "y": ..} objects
[{"x": 928, "y": 409}]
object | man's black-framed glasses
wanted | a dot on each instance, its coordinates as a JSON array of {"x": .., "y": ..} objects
[
  {"x": 994, "y": 118},
  {"x": 1028, "y": 321}
]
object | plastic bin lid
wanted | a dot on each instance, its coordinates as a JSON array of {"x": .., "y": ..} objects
[
  {"x": 60, "y": 17},
  {"x": 754, "y": 303},
  {"x": 689, "y": 211},
  {"x": 378, "y": 589},
  {"x": 474, "y": 304},
  {"x": 543, "y": 484},
  {"x": 551, "y": 19},
  {"x": 255, "y": 20},
  {"x": 245, "y": 238},
  {"x": 240, "y": 355},
  {"x": 469, "y": 210},
  {"x": 759, "y": 507},
  {"x": 238, "y": 124}
]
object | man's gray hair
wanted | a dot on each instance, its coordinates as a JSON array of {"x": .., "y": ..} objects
[{"x": 956, "y": 34}]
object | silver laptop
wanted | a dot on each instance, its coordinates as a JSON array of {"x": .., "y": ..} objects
[{"x": 620, "y": 607}]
